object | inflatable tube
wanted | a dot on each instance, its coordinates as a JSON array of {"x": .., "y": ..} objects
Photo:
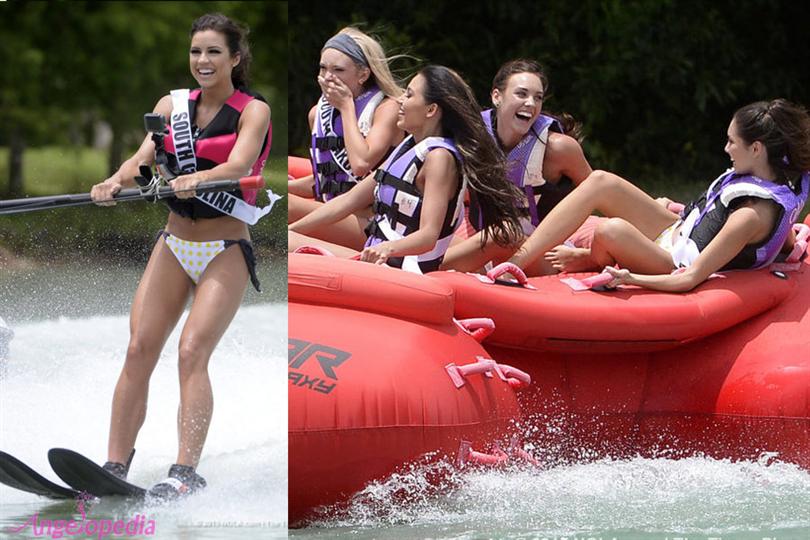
[
  {"x": 298, "y": 167},
  {"x": 315, "y": 279},
  {"x": 376, "y": 379},
  {"x": 553, "y": 317},
  {"x": 721, "y": 371}
]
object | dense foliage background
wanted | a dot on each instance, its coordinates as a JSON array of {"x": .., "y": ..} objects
[
  {"x": 67, "y": 65},
  {"x": 655, "y": 82},
  {"x": 75, "y": 69}
]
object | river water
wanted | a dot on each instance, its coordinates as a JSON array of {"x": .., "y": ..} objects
[
  {"x": 71, "y": 331},
  {"x": 635, "y": 499}
]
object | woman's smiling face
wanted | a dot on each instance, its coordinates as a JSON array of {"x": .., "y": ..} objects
[
  {"x": 412, "y": 106},
  {"x": 742, "y": 154},
  {"x": 520, "y": 103},
  {"x": 210, "y": 59},
  {"x": 337, "y": 65}
]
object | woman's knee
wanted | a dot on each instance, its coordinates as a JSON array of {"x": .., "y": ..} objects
[
  {"x": 142, "y": 355},
  {"x": 601, "y": 180},
  {"x": 193, "y": 359},
  {"x": 610, "y": 230}
]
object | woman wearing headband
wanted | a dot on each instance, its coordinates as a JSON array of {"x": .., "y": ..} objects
[
  {"x": 356, "y": 84},
  {"x": 418, "y": 192}
]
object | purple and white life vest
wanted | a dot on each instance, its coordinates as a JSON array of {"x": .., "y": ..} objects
[
  {"x": 525, "y": 170},
  {"x": 704, "y": 218},
  {"x": 398, "y": 203},
  {"x": 330, "y": 160}
]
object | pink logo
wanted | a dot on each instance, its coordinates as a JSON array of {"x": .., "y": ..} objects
[{"x": 138, "y": 525}]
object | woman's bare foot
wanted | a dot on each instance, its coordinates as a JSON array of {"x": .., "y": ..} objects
[{"x": 570, "y": 259}]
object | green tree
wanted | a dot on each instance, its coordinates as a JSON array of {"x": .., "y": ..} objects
[{"x": 72, "y": 62}]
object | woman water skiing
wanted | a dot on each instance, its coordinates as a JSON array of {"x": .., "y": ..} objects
[
  {"x": 356, "y": 84},
  {"x": 204, "y": 251},
  {"x": 418, "y": 192},
  {"x": 741, "y": 222}
]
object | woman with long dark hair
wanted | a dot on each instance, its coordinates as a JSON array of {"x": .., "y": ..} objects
[
  {"x": 220, "y": 131},
  {"x": 418, "y": 192}
]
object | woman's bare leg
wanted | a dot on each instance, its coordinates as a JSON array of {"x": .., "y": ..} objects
[
  {"x": 468, "y": 256},
  {"x": 617, "y": 241},
  {"x": 601, "y": 191},
  {"x": 296, "y": 240},
  {"x": 216, "y": 300},
  {"x": 156, "y": 308}
]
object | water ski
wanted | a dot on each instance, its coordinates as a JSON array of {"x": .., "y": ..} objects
[
  {"x": 84, "y": 475},
  {"x": 14, "y": 473}
]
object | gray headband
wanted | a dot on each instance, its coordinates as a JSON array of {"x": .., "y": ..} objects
[{"x": 345, "y": 44}]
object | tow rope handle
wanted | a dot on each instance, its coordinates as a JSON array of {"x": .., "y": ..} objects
[{"x": 30, "y": 204}]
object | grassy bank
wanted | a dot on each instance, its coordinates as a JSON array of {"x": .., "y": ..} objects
[{"x": 122, "y": 231}]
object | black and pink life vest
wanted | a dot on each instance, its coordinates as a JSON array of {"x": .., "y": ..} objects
[{"x": 212, "y": 146}]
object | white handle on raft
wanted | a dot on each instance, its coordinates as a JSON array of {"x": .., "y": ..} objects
[
  {"x": 479, "y": 328},
  {"x": 508, "y": 268},
  {"x": 497, "y": 458},
  {"x": 802, "y": 234},
  {"x": 588, "y": 283},
  {"x": 467, "y": 455},
  {"x": 516, "y": 378}
]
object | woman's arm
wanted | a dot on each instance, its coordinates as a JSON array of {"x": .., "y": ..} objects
[
  {"x": 126, "y": 173},
  {"x": 364, "y": 152},
  {"x": 361, "y": 196},
  {"x": 751, "y": 223},
  {"x": 440, "y": 175},
  {"x": 565, "y": 158}
]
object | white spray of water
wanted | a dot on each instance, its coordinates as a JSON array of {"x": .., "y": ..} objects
[
  {"x": 57, "y": 388},
  {"x": 633, "y": 498}
]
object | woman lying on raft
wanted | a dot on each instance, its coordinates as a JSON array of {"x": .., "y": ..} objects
[
  {"x": 545, "y": 159},
  {"x": 357, "y": 84},
  {"x": 741, "y": 222},
  {"x": 418, "y": 192}
]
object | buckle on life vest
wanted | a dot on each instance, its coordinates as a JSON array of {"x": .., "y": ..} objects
[
  {"x": 331, "y": 187},
  {"x": 330, "y": 142},
  {"x": 371, "y": 229},
  {"x": 328, "y": 168}
]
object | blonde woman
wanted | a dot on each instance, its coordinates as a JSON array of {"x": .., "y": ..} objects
[{"x": 356, "y": 83}]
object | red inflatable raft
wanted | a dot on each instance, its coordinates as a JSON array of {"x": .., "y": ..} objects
[
  {"x": 376, "y": 378},
  {"x": 722, "y": 371},
  {"x": 298, "y": 167}
]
